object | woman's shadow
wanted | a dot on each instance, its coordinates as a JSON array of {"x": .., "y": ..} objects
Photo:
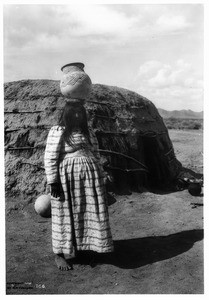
[{"x": 134, "y": 253}]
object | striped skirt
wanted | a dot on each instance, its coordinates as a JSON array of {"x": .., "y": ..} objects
[{"x": 80, "y": 219}]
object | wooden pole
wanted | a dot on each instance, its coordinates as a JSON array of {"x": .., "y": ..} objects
[{"x": 124, "y": 155}]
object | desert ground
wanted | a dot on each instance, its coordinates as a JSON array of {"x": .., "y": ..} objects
[{"x": 158, "y": 241}]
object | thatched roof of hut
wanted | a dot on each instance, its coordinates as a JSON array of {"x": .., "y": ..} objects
[{"x": 133, "y": 139}]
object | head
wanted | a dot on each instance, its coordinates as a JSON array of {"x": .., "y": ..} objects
[{"x": 74, "y": 118}]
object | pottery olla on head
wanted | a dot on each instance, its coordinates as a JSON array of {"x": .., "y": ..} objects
[{"x": 75, "y": 83}]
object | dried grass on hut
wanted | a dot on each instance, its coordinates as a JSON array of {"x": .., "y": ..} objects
[{"x": 133, "y": 139}]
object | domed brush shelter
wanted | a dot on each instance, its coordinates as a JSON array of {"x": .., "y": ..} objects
[{"x": 133, "y": 139}]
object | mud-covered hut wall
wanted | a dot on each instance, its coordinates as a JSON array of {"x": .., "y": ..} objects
[{"x": 134, "y": 142}]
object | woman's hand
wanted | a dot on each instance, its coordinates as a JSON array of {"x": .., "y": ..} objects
[{"x": 55, "y": 190}]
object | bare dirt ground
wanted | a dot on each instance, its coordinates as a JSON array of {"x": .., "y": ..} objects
[{"x": 158, "y": 242}]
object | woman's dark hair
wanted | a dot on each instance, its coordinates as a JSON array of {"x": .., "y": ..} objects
[{"x": 74, "y": 118}]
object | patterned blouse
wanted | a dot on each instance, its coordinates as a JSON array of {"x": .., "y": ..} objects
[{"x": 57, "y": 148}]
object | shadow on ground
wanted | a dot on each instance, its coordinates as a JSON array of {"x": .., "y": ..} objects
[{"x": 135, "y": 253}]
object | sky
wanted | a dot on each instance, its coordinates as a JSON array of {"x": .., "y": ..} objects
[{"x": 155, "y": 50}]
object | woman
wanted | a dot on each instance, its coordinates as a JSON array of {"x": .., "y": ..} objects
[{"x": 80, "y": 218}]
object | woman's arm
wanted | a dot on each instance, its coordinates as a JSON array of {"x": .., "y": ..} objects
[{"x": 52, "y": 152}]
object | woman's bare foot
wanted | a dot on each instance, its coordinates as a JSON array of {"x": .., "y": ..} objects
[{"x": 61, "y": 263}]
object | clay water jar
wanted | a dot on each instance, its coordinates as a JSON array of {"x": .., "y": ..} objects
[
  {"x": 195, "y": 188},
  {"x": 75, "y": 83}
]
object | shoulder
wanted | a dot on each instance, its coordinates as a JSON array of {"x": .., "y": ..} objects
[{"x": 56, "y": 130}]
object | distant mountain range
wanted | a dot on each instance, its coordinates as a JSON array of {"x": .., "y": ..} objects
[{"x": 180, "y": 114}]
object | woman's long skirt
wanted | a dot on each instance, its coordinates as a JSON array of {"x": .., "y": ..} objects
[{"x": 80, "y": 219}]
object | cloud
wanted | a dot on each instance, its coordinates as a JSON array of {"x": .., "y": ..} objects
[
  {"x": 159, "y": 20},
  {"x": 172, "y": 23},
  {"x": 26, "y": 25},
  {"x": 98, "y": 19},
  {"x": 34, "y": 26},
  {"x": 165, "y": 82},
  {"x": 160, "y": 75},
  {"x": 115, "y": 37},
  {"x": 54, "y": 26}
]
